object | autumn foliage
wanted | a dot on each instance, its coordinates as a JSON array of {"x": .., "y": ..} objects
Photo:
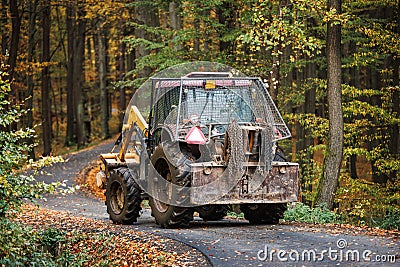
[{"x": 101, "y": 51}]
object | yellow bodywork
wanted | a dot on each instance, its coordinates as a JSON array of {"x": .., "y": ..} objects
[
  {"x": 135, "y": 119},
  {"x": 135, "y": 122}
]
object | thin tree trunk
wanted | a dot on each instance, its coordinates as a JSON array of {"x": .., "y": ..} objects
[
  {"x": 57, "y": 119},
  {"x": 145, "y": 14},
  {"x": 334, "y": 147},
  {"x": 395, "y": 143},
  {"x": 276, "y": 58},
  {"x": 227, "y": 16},
  {"x": 395, "y": 136},
  {"x": 78, "y": 75},
  {"x": 4, "y": 34},
  {"x": 46, "y": 104},
  {"x": 122, "y": 93},
  {"x": 70, "y": 24},
  {"x": 13, "y": 54},
  {"x": 354, "y": 81},
  {"x": 29, "y": 80},
  {"x": 102, "y": 82},
  {"x": 196, "y": 26},
  {"x": 14, "y": 46},
  {"x": 374, "y": 131},
  {"x": 175, "y": 21}
]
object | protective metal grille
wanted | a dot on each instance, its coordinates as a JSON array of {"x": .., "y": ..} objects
[{"x": 215, "y": 101}]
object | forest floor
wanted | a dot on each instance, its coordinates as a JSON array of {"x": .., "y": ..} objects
[{"x": 230, "y": 242}]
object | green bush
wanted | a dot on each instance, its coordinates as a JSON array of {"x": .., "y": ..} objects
[
  {"x": 366, "y": 203},
  {"x": 391, "y": 220},
  {"x": 19, "y": 245},
  {"x": 300, "y": 212},
  {"x": 23, "y": 246},
  {"x": 15, "y": 188}
]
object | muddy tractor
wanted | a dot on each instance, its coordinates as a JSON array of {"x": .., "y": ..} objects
[{"x": 209, "y": 145}]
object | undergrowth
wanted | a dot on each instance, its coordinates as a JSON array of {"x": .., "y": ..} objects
[
  {"x": 299, "y": 212},
  {"x": 23, "y": 246}
]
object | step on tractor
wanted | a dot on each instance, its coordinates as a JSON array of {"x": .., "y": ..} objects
[{"x": 209, "y": 145}]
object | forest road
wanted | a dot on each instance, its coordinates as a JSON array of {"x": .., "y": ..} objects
[{"x": 233, "y": 242}]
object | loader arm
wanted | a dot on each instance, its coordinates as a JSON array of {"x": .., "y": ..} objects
[{"x": 135, "y": 119}]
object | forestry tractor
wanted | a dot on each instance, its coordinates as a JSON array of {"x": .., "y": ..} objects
[{"x": 209, "y": 145}]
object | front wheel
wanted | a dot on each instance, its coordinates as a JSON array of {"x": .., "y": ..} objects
[
  {"x": 264, "y": 213},
  {"x": 123, "y": 196},
  {"x": 166, "y": 214}
]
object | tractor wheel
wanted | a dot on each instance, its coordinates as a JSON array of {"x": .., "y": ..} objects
[
  {"x": 264, "y": 213},
  {"x": 166, "y": 215},
  {"x": 212, "y": 212},
  {"x": 123, "y": 197}
]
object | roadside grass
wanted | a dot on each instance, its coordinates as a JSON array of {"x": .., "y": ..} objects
[{"x": 300, "y": 212}]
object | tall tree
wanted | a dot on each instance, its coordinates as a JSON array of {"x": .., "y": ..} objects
[
  {"x": 29, "y": 81},
  {"x": 76, "y": 30},
  {"x": 46, "y": 105},
  {"x": 4, "y": 34},
  {"x": 70, "y": 25},
  {"x": 121, "y": 69},
  {"x": 79, "y": 50},
  {"x": 15, "y": 34},
  {"x": 146, "y": 16},
  {"x": 334, "y": 147},
  {"x": 175, "y": 20},
  {"x": 395, "y": 143},
  {"x": 102, "y": 67}
]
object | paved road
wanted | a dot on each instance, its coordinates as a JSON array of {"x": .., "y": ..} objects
[{"x": 235, "y": 242}]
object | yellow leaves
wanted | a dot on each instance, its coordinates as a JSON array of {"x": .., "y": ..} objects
[
  {"x": 276, "y": 27},
  {"x": 332, "y": 16},
  {"x": 34, "y": 67},
  {"x": 380, "y": 36},
  {"x": 106, "y": 12}
]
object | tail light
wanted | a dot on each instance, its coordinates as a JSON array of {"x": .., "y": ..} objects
[{"x": 195, "y": 136}]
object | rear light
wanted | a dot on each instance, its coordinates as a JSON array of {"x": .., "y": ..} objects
[{"x": 195, "y": 136}]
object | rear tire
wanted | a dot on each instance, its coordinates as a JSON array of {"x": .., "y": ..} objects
[
  {"x": 166, "y": 215},
  {"x": 264, "y": 213},
  {"x": 212, "y": 212},
  {"x": 123, "y": 196}
]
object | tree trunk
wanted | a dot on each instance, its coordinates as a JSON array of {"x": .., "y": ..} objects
[
  {"x": 122, "y": 93},
  {"x": 276, "y": 58},
  {"x": 395, "y": 143},
  {"x": 29, "y": 80},
  {"x": 354, "y": 81},
  {"x": 4, "y": 34},
  {"x": 78, "y": 74},
  {"x": 16, "y": 28},
  {"x": 76, "y": 31},
  {"x": 175, "y": 21},
  {"x": 334, "y": 147},
  {"x": 146, "y": 14},
  {"x": 70, "y": 24},
  {"x": 227, "y": 16},
  {"x": 46, "y": 105},
  {"x": 102, "y": 65}
]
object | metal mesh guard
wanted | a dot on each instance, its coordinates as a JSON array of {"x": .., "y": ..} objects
[{"x": 240, "y": 99}]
